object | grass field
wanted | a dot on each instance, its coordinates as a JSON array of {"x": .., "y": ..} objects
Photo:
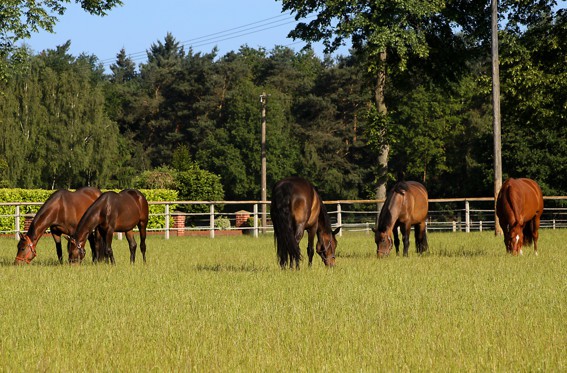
[{"x": 224, "y": 305}]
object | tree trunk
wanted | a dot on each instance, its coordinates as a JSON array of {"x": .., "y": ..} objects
[
  {"x": 385, "y": 151},
  {"x": 496, "y": 120}
]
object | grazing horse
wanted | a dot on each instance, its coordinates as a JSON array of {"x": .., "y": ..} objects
[
  {"x": 113, "y": 212},
  {"x": 519, "y": 207},
  {"x": 406, "y": 205},
  {"x": 61, "y": 213},
  {"x": 296, "y": 207}
]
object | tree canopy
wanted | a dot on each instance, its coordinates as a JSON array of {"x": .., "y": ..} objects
[{"x": 65, "y": 121}]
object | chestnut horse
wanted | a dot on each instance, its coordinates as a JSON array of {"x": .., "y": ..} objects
[
  {"x": 61, "y": 213},
  {"x": 519, "y": 207},
  {"x": 113, "y": 212},
  {"x": 406, "y": 205},
  {"x": 296, "y": 207}
]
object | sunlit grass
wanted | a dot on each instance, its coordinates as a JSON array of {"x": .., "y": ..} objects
[{"x": 224, "y": 305}]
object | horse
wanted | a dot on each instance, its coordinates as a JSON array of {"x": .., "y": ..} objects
[
  {"x": 519, "y": 207},
  {"x": 61, "y": 212},
  {"x": 296, "y": 207},
  {"x": 406, "y": 205},
  {"x": 112, "y": 212}
]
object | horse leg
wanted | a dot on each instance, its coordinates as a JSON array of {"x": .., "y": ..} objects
[
  {"x": 420, "y": 239},
  {"x": 295, "y": 255},
  {"x": 58, "y": 247},
  {"x": 132, "y": 245},
  {"x": 535, "y": 232},
  {"x": 396, "y": 240},
  {"x": 108, "y": 240},
  {"x": 142, "y": 228},
  {"x": 94, "y": 248},
  {"x": 405, "y": 228},
  {"x": 310, "y": 249}
]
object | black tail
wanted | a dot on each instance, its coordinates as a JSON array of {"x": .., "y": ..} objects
[
  {"x": 284, "y": 236},
  {"x": 529, "y": 233}
]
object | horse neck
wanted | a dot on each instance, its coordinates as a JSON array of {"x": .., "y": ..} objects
[
  {"x": 89, "y": 222},
  {"x": 41, "y": 221},
  {"x": 391, "y": 209},
  {"x": 323, "y": 221}
]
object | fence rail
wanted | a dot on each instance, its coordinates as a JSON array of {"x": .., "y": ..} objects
[{"x": 445, "y": 214}]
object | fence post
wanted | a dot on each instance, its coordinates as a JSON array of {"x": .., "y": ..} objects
[
  {"x": 480, "y": 225},
  {"x": 553, "y": 223},
  {"x": 17, "y": 222},
  {"x": 212, "y": 221},
  {"x": 167, "y": 221},
  {"x": 339, "y": 218},
  {"x": 255, "y": 212},
  {"x": 467, "y": 217},
  {"x": 454, "y": 226}
]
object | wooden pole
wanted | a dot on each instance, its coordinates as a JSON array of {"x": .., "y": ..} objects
[
  {"x": 496, "y": 119},
  {"x": 263, "y": 101}
]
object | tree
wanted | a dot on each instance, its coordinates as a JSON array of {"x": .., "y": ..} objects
[
  {"x": 386, "y": 33},
  {"x": 20, "y": 18}
]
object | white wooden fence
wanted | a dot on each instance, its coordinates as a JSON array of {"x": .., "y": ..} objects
[{"x": 446, "y": 214}]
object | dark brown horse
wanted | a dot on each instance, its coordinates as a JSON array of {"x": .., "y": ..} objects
[
  {"x": 61, "y": 214},
  {"x": 113, "y": 212},
  {"x": 296, "y": 207},
  {"x": 405, "y": 206},
  {"x": 519, "y": 207}
]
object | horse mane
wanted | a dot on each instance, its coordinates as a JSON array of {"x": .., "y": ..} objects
[
  {"x": 401, "y": 187},
  {"x": 385, "y": 219},
  {"x": 324, "y": 216}
]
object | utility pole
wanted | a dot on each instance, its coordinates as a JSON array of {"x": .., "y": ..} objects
[
  {"x": 496, "y": 118},
  {"x": 263, "y": 101}
]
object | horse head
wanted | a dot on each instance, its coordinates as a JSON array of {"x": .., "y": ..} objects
[
  {"x": 326, "y": 247},
  {"x": 384, "y": 243},
  {"x": 514, "y": 239},
  {"x": 76, "y": 250},
  {"x": 26, "y": 250}
]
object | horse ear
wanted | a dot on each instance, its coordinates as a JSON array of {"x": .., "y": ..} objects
[
  {"x": 21, "y": 236},
  {"x": 336, "y": 231}
]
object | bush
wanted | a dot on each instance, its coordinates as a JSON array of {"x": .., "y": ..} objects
[
  {"x": 199, "y": 185},
  {"x": 41, "y": 195},
  {"x": 222, "y": 223}
]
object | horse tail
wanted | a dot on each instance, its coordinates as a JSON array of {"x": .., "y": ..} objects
[
  {"x": 529, "y": 233},
  {"x": 284, "y": 237}
]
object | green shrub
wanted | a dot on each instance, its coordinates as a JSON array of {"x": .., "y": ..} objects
[
  {"x": 196, "y": 184},
  {"x": 40, "y": 195},
  {"x": 222, "y": 223}
]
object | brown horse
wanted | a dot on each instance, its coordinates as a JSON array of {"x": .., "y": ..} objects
[
  {"x": 61, "y": 213},
  {"x": 113, "y": 212},
  {"x": 406, "y": 205},
  {"x": 519, "y": 207},
  {"x": 296, "y": 207}
]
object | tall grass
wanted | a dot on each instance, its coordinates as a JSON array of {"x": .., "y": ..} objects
[{"x": 224, "y": 305}]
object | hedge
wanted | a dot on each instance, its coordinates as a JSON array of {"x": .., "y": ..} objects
[{"x": 41, "y": 195}]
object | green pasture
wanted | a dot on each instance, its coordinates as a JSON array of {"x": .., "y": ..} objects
[{"x": 224, "y": 305}]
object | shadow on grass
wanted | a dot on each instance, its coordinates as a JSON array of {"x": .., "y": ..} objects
[
  {"x": 7, "y": 262},
  {"x": 230, "y": 268},
  {"x": 459, "y": 252},
  {"x": 356, "y": 255}
]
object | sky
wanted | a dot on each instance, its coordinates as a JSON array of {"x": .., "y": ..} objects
[{"x": 202, "y": 24}]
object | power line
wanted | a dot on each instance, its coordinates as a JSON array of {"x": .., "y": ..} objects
[{"x": 216, "y": 37}]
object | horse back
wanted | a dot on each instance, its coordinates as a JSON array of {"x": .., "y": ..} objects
[
  {"x": 416, "y": 202},
  {"x": 305, "y": 203},
  {"x": 63, "y": 209},
  {"x": 519, "y": 201}
]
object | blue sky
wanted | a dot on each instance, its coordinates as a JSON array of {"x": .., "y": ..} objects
[{"x": 227, "y": 24}]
